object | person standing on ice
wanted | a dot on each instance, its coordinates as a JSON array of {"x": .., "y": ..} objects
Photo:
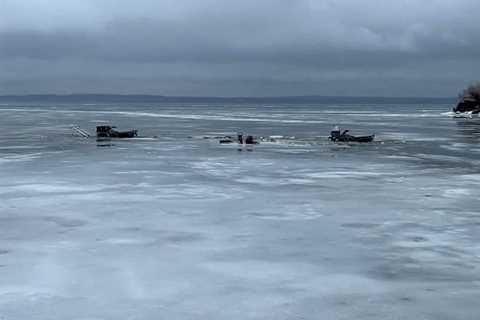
[
  {"x": 335, "y": 133},
  {"x": 240, "y": 138}
]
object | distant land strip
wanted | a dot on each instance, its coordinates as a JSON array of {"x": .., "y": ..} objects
[{"x": 137, "y": 98}]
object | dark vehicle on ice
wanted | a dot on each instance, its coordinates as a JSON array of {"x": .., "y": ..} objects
[
  {"x": 336, "y": 136},
  {"x": 105, "y": 132}
]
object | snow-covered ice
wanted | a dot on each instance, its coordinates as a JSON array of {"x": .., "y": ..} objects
[{"x": 181, "y": 227}]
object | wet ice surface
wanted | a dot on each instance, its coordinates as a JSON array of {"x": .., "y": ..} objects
[{"x": 185, "y": 228}]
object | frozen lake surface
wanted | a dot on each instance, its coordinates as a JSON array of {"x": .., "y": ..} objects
[{"x": 181, "y": 227}]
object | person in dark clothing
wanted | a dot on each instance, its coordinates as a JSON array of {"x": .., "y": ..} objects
[{"x": 250, "y": 140}]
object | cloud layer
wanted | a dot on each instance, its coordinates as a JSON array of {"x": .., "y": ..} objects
[{"x": 227, "y": 47}]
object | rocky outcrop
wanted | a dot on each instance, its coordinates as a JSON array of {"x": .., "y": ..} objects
[{"x": 468, "y": 106}]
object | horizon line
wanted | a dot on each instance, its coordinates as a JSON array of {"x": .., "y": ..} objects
[{"x": 60, "y": 95}]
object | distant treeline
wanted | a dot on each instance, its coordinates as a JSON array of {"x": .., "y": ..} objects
[{"x": 113, "y": 98}]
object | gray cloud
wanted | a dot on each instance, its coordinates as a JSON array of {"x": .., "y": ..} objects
[{"x": 197, "y": 47}]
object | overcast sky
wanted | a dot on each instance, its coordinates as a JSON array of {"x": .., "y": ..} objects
[{"x": 239, "y": 47}]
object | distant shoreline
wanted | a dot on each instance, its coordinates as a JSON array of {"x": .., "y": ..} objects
[{"x": 136, "y": 98}]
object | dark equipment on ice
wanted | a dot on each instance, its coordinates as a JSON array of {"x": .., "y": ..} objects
[
  {"x": 241, "y": 139},
  {"x": 336, "y": 136},
  {"x": 226, "y": 139},
  {"x": 110, "y": 132}
]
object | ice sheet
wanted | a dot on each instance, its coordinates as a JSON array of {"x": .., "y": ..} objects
[{"x": 185, "y": 228}]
